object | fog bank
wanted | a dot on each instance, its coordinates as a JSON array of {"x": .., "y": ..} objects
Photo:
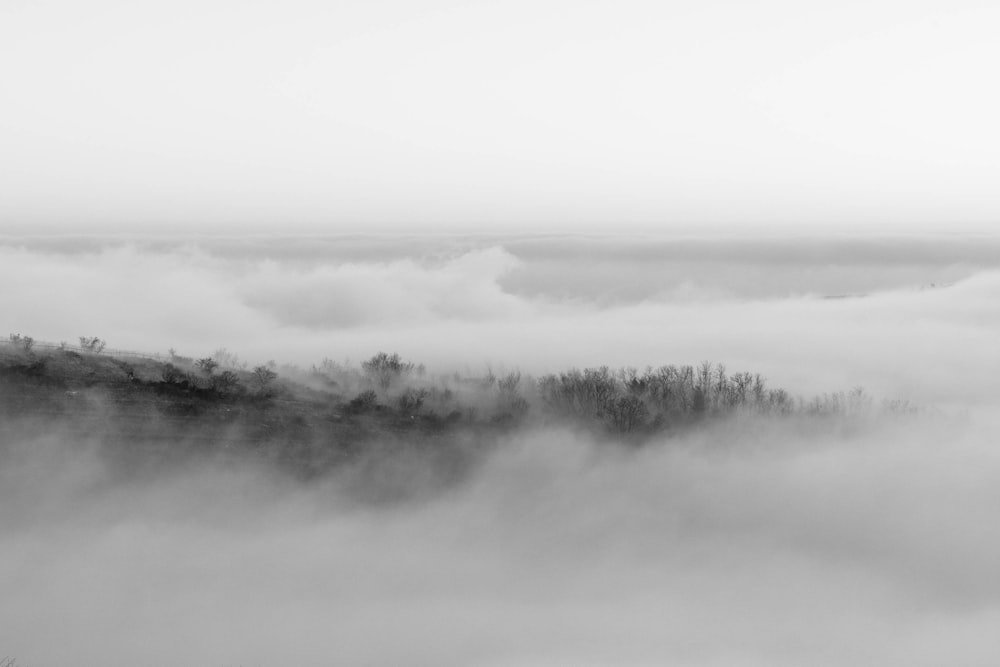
[
  {"x": 913, "y": 317},
  {"x": 754, "y": 542}
]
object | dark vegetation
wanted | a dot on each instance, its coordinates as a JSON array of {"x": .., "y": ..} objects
[{"x": 310, "y": 420}]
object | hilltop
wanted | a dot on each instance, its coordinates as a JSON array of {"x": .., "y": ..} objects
[
  {"x": 148, "y": 406},
  {"x": 154, "y": 407}
]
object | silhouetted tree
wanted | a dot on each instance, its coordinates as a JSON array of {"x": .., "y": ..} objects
[
  {"x": 262, "y": 376},
  {"x": 581, "y": 394},
  {"x": 779, "y": 401},
  {"x": 509, "y": 399},
  {"x": 720, "y": 388},
  {"x": 225, "y": 382},
  {"x": 384, "y": 369},
  {"x": 758, "y": 391},
  {"x": 626, "y": 413},
  {"x": 411, "y": 400}
]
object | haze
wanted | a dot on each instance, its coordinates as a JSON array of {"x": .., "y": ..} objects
[
  {"x": 802, "y": 190},
  {"x": 911, "y": 316},
  {"x": 755, "y": 544},
  {"x": 752, "y": 541},
  {"x": 446, "y": 114}
]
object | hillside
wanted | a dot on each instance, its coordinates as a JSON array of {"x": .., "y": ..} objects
[
  {"x": 147, "y": 410},
  {"x": 156, "y": 409}
]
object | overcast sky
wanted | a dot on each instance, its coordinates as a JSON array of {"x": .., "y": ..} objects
[{"x": 390, "y": 114}]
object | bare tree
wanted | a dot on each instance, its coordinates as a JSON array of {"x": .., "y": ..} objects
[
  {"x": 92, "y": 344},
  {"x": 384, "y": 369},
  {"x": 262, "y": 376},
  {"x": 720, "y": 388},
  {"x": 207, "y": 365},
  {"x": 758, "y": 390},
  {"x": 741, "y": 386},
  {"x": 509, "y": 399},
  {"x": 412, "y": 400},
  {"x": 225, "y": 382},
  {"x": 583, "y": 394},
  {"x": 703, "y": 379},
  {"x": 626, "y": 413}
]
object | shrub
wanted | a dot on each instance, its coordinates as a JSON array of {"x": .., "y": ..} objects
[
  {"x": 207, "y": 365},
  {"x": 225, "y": 382},
  {"x": 384, "y": 369},
  {"x": 23, "y": 342},
  {"x": 171, "y": 374},
  {"x": 412, "y": 400},
  {"x": 363, "y": 402},
  {"x": 262, "y": 376},
  {"x": 92, "y": 344}
]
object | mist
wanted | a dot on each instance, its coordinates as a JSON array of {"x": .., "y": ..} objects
[
  {"x": 749, "y": 539},
  {"x": 755, "y": 542},
  {"x": 485, "y": 333},
  {"x": 813, "y": 313}
]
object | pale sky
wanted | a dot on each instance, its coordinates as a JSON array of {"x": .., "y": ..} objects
[{"x": 448, "y": 114}]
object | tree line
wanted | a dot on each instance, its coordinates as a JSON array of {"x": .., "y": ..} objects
[{"x": 624, "y": 400}]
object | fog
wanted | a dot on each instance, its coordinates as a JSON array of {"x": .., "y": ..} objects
[
  {"x": 495, "y": 191},
  {"x": 907, "y": 316},
  {"x": 750, "y": 540},
  {"x": 753, "y": 543}
]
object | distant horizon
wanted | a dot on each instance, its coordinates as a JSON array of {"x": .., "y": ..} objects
[
  {"x": 454, "y": 114},
  {"x": 610, "y": 332},
  {"x": 12, "y": 231},
  {"x": 540, "y": 301}
]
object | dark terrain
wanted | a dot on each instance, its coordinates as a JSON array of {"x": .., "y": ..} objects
[{"x": 147, "y": 411}]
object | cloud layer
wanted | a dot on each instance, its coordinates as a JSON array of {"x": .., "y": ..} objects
[
  {"x": 753, "y": 542},
  {"x": 909, "y": 317},
  {"x": 756, "y": 543}
]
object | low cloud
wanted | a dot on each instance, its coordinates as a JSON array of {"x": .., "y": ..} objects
[
  {"x": 917, "y": 325},
  {"x": 752, "y": 542},
  {"x": 755, "y": 542},
  {"x": 351, "y": 294}
]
